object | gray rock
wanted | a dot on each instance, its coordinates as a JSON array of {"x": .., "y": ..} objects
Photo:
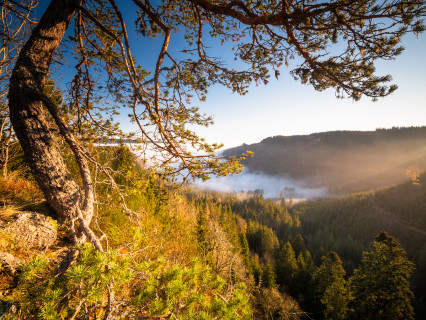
[
  {"x": 31, "y": 230},
  {"x": 9, "y": 262}
]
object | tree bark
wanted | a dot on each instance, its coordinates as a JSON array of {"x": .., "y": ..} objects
[
  {"x": 30, "y": 121},
  {"x": 5, "y": 151}
]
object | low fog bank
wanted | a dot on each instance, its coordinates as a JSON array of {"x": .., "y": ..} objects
[{"x": 271, "y": 186}]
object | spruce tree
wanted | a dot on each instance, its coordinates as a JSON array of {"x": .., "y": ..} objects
[
  {"x": 331, "y": 295},
  {"x": 255, "y": 269},
  {"x": 268, "y": 276},
  {"x": 381, "y": 286},
  {"x": 203, "y": 233},
  {"x": 244, "y": 247},
  {"x": 301, "y": 283},
  {"x": 286, "y": 265},
  {"x": 299, "y": 244}
]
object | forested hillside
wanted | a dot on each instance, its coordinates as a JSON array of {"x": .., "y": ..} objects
[
  {"x": 323, "y": 280},
  {"x": 189, "y": 254},
  {"x": 342, "y": 161},
  {"x": 346, "y": 225}
]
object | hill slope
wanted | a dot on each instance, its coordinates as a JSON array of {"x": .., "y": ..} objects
[
  {"x": 346, "y": 225},
  {"x": 342, "y": 161}
]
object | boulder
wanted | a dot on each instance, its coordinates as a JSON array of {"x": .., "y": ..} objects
[
  {"x": 9, "y": 263},
  {"x": 30, "y": 230}
]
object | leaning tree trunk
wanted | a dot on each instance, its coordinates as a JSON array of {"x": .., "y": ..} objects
[{"x": 28, "y": 114}]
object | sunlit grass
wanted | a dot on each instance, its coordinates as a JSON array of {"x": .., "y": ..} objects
[
  {"x": 8, "y": 210},
  {"x": 19, "y": 191}
]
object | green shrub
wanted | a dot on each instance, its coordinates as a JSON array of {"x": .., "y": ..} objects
[
  {"x": 101, "y": 282},
  {"x": 192, "y": 292}
]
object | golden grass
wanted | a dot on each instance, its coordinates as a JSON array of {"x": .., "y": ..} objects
[
  {"x": 12, "y": 190},
  {"x": 7, "y": 211}
]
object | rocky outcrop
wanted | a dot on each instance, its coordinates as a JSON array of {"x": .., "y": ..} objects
[
  {"x": 9, "y": 263},
  {"x": 30, "y": 230},
  {"x": 25, "y": 231}
]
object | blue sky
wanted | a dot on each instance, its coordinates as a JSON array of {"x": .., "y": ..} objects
[{"x": 286, "y": 107}]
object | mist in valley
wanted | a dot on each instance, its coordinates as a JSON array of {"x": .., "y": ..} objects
[
  {"x": 330, "y": 163},
  {"x": 270, "y": 186},
  {"x": 322, "y": 165}
]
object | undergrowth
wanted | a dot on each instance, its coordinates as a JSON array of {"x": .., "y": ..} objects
[{"x": 152, "y": 266}]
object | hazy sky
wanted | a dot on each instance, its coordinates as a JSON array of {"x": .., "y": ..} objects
[{"x": 286, "y": 107}]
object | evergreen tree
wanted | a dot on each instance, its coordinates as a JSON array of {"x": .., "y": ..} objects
[
  {"x": 285, "y": 265},
  {"x": 282, "y": 199},
  {"x": 301, "y": 285},
  {"x": 261, "y": 239},
  {"x": 255, "y": 268},
  {"x": 244, "y": 247},
  {"x": 381, "y": 285},
  {"x": 203, "y": 233},
  {"x": 299, "y": 245},
  {"x": 331, "y": 295},
  {"x": 268, "y": 276}
]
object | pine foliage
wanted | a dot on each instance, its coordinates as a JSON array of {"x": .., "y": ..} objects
[
  {"x": 380, "y": 286},
  {"x": 330, "y": 287}
]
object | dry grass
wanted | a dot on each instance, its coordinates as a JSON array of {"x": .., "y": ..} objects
[
  {"x": 6, "y": 243},
  {"x": 7, "y": 211},
  {"x": 20, "y": 191}
]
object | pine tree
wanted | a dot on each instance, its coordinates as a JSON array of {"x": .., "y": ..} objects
[
  {"x": 268, "y": 276},
  {"x": 299, "y": 244},
  {"x": 301, "y": 287},
  {"x": 255, "y": 269},
  {"x": 203, "y": 233},
  {"x": 282, "y": 199},
  {"x": 286, "y": 265},
  {"x": 331, "y": 295},
  {"x": 245, "y": 247},
  {"x": 381, "y": 285},
  {"x": 261, "y": 239}
]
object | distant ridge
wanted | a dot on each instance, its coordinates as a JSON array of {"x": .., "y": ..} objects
[{"x": 343, "y": 161}]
